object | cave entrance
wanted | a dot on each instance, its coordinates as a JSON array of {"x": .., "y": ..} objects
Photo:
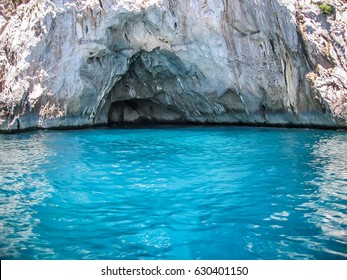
[
  {"x": 155, "y": 89},
  {"x": 142, "y": 111}
]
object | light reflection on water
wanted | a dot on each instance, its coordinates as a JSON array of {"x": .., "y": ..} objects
[
  {"x": 23, "y": 185},
  {"x": 174, "y": 193},
  {"x": 329, "y": 203}
]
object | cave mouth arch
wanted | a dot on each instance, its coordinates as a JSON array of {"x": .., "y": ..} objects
[
  {"x": 143, "y": 111},
  {"x": 157, "y": 88}
]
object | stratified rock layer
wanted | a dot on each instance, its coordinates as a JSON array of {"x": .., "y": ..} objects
[{"x": 74, "y": 63}]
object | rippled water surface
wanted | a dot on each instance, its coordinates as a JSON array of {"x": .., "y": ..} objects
[{"x": 174, "y": 193}]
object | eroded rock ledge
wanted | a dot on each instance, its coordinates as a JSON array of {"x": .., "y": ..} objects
[{"x": 81, "y": 63}]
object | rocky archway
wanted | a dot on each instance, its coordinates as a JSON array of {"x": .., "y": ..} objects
[{"x": 157, "y": 88}]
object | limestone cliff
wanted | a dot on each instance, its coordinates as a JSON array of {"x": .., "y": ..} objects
[{"x": 71, "y": 63}]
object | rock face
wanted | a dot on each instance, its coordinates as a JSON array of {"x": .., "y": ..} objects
[{"x": 73, "y": 63}]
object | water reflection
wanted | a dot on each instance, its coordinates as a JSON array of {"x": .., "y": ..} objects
[
  {"x": 329, "y": 201},
  {"x": 22, "y": 186}
]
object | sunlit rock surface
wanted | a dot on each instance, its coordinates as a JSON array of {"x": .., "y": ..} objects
[{"x": 74, "y": 63}]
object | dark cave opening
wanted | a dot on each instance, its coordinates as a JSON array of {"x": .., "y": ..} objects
[
  {"x": 152, "y": 91},
  {"x": 142, "y": 111}
]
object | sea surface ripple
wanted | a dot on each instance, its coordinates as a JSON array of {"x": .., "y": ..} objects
[{"x": 174, "y": 193}]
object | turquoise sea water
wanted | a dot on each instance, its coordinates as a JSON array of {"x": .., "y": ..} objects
[{"x": 174, "y": 193}]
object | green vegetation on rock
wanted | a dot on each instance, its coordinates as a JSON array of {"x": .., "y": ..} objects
[{"x": 326, "y": 9}]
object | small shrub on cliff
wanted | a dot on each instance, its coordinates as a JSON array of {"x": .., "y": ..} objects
[{"x": 326, "y": 9}]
